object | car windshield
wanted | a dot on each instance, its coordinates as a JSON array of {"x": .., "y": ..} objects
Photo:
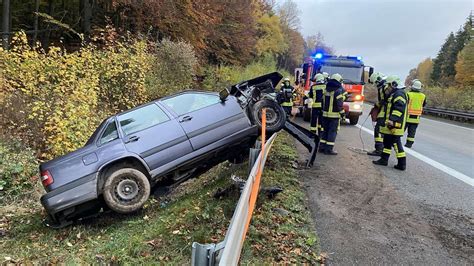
[
  {"x": 349, "y": 74},
  {"x": 189, "y": 102}
]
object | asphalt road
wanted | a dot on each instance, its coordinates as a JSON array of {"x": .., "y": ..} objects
[
  {"x": 445, "y": 142},
  {"x": 368, "y": 214}
]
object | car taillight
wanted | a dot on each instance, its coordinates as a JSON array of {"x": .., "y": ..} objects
[
  {"x": 358, "y": 97},
  {"x": 46, "y": 178}
]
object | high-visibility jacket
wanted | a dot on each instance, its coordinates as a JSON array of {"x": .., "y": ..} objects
[
  {"x": 316, "y": 94},
  {"x": 416, "y": 102},
  {"x": 396, "y": 110},
  {"x": 381, "y": 101},
  {"x": 333, "y": 100},
  {"x": 287, "y": 95}
]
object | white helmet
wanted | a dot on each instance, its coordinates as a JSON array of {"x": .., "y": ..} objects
[
  {"x": 416, "y": 85},
  {"x": 319, "y": 78}
]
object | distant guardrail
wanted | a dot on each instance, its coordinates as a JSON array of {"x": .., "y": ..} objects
[
  {"x": 451, "y": 114},
  {"x": 455, "y": 115}
]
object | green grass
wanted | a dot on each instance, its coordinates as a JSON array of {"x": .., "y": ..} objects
[{"x": 165, "y": 229}]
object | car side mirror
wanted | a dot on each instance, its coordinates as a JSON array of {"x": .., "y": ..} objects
[{"x": 223, "y": 94}]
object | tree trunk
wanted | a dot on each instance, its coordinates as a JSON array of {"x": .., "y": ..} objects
[
  {"x": 86, "y": 14},
  {"x": 6, "y": 24},
  {"x": 35, "y": 25}
]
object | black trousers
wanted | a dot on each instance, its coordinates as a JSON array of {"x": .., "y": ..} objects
[
  {"x": 329, "y": 133},
  {"x": 390, "y": 141},
  {"x": 287, "y": 109},
  {"x": 378, "y": 137},
  {"x": 316, "y": 120},
  {"x": 411, "y": 128}
]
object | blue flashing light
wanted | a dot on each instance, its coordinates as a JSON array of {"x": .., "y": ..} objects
[
  {"x": 318, "y": 56},
  {"x": 359, "y": 58}
]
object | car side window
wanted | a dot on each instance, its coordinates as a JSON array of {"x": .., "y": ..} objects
[
  {"x": 142, "y": 118},
  {"x": 110, "y": 133},
  {"x": 189, "y": 102}
]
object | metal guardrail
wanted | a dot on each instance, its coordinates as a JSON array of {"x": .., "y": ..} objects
[
  {"x": 228, "y": 251},
  {"x": 452, "y": 114}
]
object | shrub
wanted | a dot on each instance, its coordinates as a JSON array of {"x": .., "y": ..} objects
[
  {"x": 54, "y": 100},
  {"x": 173, "y": 67},
  {"x": 17, "y": 166}
]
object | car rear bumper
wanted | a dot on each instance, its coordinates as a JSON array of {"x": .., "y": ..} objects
[{"x": 70, "y": 195}]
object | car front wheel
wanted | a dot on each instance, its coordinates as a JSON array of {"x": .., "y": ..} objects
[
  {"x": 126, "y": 190},
  {"x": 275, "y": 115}
]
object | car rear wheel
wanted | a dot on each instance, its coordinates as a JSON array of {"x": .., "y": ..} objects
[
  {"x": 276, "y": 116},
  {"x": 126, "y": 190},
  {"x": 353, "y": 119}
]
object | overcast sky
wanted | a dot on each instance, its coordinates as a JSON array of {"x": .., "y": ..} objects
[{"x": 391, "y": 35}]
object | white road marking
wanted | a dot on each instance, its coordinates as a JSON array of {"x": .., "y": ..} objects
[{"x": 448, "y": 170}]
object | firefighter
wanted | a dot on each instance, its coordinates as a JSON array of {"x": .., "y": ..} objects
[
  {"x": 326, "y": 76},
  {"x": 377, "y": 112},
  {"x": 287, "y": 94},
  {"x": 416, "y": 102},
  {"x": 393, "y": 127},
  {"x": 316, "y": 94},
  {"x": 332, "y": 112}
]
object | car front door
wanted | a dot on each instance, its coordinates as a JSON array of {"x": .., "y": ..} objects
[
  {"x": 149, "y": 132},
  {"x": 205, "y": 118}
]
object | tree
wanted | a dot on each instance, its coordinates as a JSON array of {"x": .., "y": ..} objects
[
  {"x": 423, "y": 71},
  {"x": 289, "y": 14},
  {"x": 270, "y": 36},
  {"x": 411, "y": 76},
  {"x": 465, "y": 65},
  {"x": 441, "y": 64},
  {"x": 316, "y": 44},
  {"x": 5, "y": 23}
]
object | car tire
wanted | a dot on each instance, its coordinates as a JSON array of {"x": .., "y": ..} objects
[
  {"x": 126, "y": 190},
  {"x": 276, "y": 116}
]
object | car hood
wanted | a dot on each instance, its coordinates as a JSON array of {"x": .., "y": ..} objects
[{"x": 274, "y": 78}]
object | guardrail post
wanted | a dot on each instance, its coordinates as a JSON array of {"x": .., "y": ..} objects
[{"x": 253, "y": 154}]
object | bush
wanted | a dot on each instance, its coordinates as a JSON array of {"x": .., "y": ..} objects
[
  {"x": 18, "y": 165},
  {"x": 456, "y": 98},
  {"x": 217, "y": 78},
  {"x": 54, "y": 100},
  {"x": 173, "y": 68}
]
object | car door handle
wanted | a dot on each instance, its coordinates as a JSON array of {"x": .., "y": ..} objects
[
  {"x": 186, "y": 118},
  {"x": 132, "y": 139}
]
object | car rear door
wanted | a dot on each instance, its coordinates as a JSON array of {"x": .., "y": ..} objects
[
  {"x": 149, "y": 132},
  {"x": 205, "y": 118}
]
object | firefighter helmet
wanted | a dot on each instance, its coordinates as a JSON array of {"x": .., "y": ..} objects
[
  {"x": 376, "y": 77},
  {"x": 393, "y": 81},
  {"x": 416, "y": 85},
  {"x": 337, "y": 77},
  {"x": 326, "y": 75},
  {"x": 319, "y": 78}
]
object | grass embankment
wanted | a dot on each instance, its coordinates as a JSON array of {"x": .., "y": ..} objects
[{"x": 165, "y": 229}]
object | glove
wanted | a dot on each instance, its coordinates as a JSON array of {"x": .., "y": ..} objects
[
  {"x": 343, "y": 116},
  {"x": 390, "y": 124}
]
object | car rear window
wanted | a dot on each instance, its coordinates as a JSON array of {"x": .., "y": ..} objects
[
  {"x": 189, "y": 102},
  {"x": 109, "y": 134},
  {"x": 142, "y": 118}
]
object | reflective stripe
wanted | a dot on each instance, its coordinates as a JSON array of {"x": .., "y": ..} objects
[
  {"x": 340, "y": 96},
  {"x": 395, "y": 146},
  {"x": 322, "y": 141},
  {"x": 400, "y": 98},
  {"x": 410, "y": 139},
  {"x": 331, "y": 114},
  {"x": 401, "y": 155},
  {"x": 287, "y": 104},
  {"x": 378, "y": 139},
  {"x": 330, "y": 143},
  {"x": 397, "y": 113},
  {"x": 313, "y": 128},
  {"x": 316, "y": 105},
  {"x": 387, "y": 151}
]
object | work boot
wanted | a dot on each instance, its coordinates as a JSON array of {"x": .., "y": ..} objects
[
  {"x": 322, "y": 148},
  {"x": 381, "y": 161},
  {"x": 402, "y": 164},
  {"x": 408, "y": 144},
  {"x": 330, "y": 151},
  {"x": 374, "y": 153}
]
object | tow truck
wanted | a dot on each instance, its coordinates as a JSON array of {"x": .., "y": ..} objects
[{"x": 354, "y": 74}]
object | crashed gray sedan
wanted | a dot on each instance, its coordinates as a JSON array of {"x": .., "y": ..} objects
[{"x": 162, "y": 142}]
